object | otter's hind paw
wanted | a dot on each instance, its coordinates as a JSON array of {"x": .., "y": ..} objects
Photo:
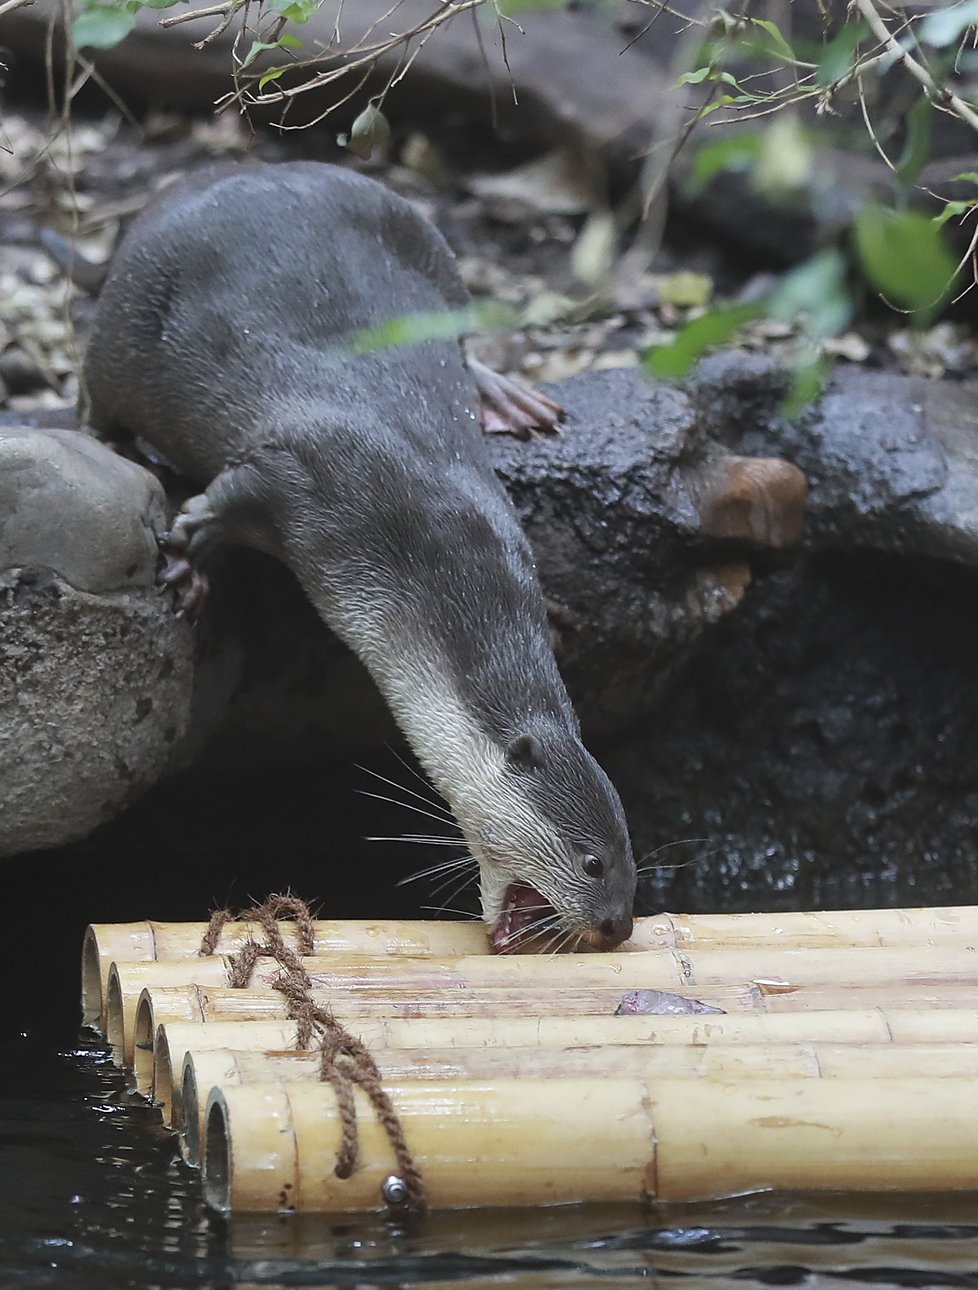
[{"x": 506, "y": 407}]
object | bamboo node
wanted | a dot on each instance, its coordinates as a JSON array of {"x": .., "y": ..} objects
[{"x": 344, "y": 1060}]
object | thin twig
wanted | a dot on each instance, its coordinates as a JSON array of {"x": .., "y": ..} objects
[{"x": 943, "y": 97}]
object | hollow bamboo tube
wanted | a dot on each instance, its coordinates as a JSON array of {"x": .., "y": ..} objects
[
  {"x": 173, "y": 1040},
  {"x": 202, "y": 1070},
  {"x": 552, "y": 979},
  {"x": 147, "y": 941},
  {"x": 506, "y": 1142},
  {"x": 506, "y": 1008}
]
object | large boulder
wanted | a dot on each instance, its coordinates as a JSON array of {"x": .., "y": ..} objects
[{"x": 96, "y": 674}]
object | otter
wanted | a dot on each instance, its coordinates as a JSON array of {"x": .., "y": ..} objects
[{"x": 230, "y": 333}]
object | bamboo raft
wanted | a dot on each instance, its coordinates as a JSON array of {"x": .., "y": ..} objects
[{"x": 846, "y": 1057}]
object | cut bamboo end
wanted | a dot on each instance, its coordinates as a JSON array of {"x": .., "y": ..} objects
[
  {"x": 106, "y": 943},
  {"x": 273, "y": 1147}
]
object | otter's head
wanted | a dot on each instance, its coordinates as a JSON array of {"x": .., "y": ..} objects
[{"x": 552, "y": 845}]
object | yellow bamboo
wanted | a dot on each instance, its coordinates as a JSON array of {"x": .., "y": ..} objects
[
  {"x": 224, "y": 1066},
  {"x": 203, "y": 1069},
  {"x": 552, "y": 984},
  {"x": 146, "y": 941},
  {"x": 827, "y": 929},
  {"x": 272, "y": 1146},
  {"x": 875, "y": 1026},
  {"x": 207, "y": 1003}
]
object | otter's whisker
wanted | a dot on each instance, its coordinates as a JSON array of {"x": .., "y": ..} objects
[
  {"x": 422, "y": 839},
  {"x": 407, "y": 806},
  {"x": 678, "y": 842},
  {"x": 681, "y": 864},
  {"x": 435, "y": 870},
  {"x": 456, "y": 891},
  {"x": 391, "y": 783}
]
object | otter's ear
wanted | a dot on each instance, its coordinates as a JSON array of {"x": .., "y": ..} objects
[{"x": 525, "y": 752}]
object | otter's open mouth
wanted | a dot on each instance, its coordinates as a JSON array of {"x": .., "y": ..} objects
[{"x": 523, "y": 908}]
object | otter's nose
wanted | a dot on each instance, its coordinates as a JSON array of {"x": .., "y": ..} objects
[{"x": 612, "y": 931}]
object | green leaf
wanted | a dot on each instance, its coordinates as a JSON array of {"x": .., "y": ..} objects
[
  {"x": 709, "y": 331},
  {"x": 294, "y": 10},
  {"x": 272, "y": 74},
  {"x": 778, "y": 41},
  {"x": 954, "y": 208},
  {"x": 944, "y": 26},
  {"x": 970, "y": 175},
  {"x": 904, "y": 256},
  {"x": 916, "y": 148},
  {"x": 694, "y": 78},
  {"x": 157, "y": 4},
  {"x": 102, "y": 26},
  {"x": 738, "y": 152},
  {"x": 837, "y": 55},
  {"x": 816, "y": 296},
  {"x": 411, "y": 329},
  {"x": 257, "y": 46},
  {"x": 807, "y": 379}
]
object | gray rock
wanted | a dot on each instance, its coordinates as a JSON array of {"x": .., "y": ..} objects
[
  {"x": 96, "y": 674},
  {"x": 69, "y": 504}
]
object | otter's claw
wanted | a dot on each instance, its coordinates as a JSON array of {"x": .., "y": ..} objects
[
  {"x": 195, "y": 531},
  {"x": 506, "y": 407},
  {"x": 187, "y": 581}
]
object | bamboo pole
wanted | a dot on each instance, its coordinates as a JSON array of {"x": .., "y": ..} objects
[
  {"x": 273, "y": 1147},
  {"x": 203, "y": 1069},
  {"x": 173, "y": 1039},
  {"x": 106, "y": 943},
  {"x": 148, "y": 941},
  {"x": 210, "y": 1004},
  {"x": 550, "y": 983}
]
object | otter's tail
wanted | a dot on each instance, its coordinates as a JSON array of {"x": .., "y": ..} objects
[{"x": 83, "y": 273}]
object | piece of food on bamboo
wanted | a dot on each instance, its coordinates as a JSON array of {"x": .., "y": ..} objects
[
  {"x": 506, "y": 1142},
  {"x": 173, "y": 1040},
  {"x": 147, "y": 941}
]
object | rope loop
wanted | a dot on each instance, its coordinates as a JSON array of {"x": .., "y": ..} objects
[{"x": 344, "y": 1060}]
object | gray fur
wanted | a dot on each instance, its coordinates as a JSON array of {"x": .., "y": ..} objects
[{"x": 222, "y": 335}]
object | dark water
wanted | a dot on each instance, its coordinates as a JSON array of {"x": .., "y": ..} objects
[{"x": 93, "y": 1194}]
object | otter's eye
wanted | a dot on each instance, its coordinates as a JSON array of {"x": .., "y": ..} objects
[{"x": 592, "y": 866}]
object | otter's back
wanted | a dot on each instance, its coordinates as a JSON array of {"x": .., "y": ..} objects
[{"x": 233, "y": 297}]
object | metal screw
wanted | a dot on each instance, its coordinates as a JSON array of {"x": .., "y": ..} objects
[{"x": 394, "y": 1191}]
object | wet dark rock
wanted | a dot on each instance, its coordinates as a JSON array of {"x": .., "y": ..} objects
[{"x": 891, "y": 461}]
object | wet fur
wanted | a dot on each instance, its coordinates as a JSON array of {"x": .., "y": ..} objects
[{"x": 221, "y": 336}]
